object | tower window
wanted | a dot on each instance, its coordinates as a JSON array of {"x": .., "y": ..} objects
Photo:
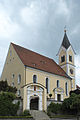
[
  {"x": 66, "y": 89},
  {"x": 34, "y": 79},
  {"x": 70, "y": 58},
  {"x": 57, "y": 83},
  {"x": 47, "y": 85},
  {"x": 63, "y": 58}
]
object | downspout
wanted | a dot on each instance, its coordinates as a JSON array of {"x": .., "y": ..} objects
[
  {"x": 25, "y": 75},
  {"x": 71, "y": 84},
  {"x": 24, "y": 99}
]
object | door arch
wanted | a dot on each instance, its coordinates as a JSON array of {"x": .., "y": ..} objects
[{"x": 34, "y": 103}]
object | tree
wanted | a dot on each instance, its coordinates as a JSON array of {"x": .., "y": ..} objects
[
  {"x": 77, "y": 91},
  {"x": 71, "y": 105},
  {"x": 75, "y": 106},
  {"x": 7, "y": 108},
  {"x": 6, "y": 88},
  {"x": 7, "y": 95}
]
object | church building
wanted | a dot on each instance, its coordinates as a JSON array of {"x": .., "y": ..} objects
[{"x": 36, "y": 77}]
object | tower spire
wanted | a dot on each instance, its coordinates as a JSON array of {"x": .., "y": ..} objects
[{"x": 65, "y": 42}]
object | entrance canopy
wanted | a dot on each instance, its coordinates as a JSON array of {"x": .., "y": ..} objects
[{"x": 35, "y": 94}]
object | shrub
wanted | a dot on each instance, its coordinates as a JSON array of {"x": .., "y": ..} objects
[
  {"x": 26, "y": 113},
  {"x": 7, "y": 108},
  {"x": 53, "y": 109},
  {"x": 50, "y": 95}
]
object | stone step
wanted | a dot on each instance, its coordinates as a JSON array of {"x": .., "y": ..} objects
[{"x": 39, "y": 115}]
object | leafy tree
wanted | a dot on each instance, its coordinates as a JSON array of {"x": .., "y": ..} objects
[
  {"x": 7, "y": 95},
  {"x": 6, "y": 88},
  {"x": 75, "y": 106},
  {"x": 71, "y": 105},
  {"x": 77, "y": 91},
  {"x": 7, "y": 108},
  {"x": 66, "y": 105}
]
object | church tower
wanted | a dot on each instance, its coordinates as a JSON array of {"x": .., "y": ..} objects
[{"x": 66, "y": 59}]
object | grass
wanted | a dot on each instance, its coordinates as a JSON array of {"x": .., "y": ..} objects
[
  {"x": 63, "y": 116},
  {"x": 15, "y": 117}
]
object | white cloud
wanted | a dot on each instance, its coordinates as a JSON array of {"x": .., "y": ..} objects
[
  {"x": 76, "y": 29},
  {"x": 62, "y": 8},
  {"x": 7, "y": 27},
  {"x": 33, "y": 14},
  {"x": 3, "y": 53}
]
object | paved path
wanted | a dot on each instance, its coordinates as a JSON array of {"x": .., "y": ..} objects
[{"x": 39, "y": 115}]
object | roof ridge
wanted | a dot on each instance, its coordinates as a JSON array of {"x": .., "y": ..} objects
[
  {"x": 32, "y": 51},
  {"x": 38, "y": 61}
]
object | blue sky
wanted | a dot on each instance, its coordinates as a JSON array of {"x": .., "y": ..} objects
[{"x": 39, "y": 25}]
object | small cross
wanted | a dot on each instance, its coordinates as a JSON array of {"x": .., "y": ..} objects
[{"x": 65, "y": 29}]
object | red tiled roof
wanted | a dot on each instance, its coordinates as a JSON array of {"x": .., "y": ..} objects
[{"x": 37, "y": 61}]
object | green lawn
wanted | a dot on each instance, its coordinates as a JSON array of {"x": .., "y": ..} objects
[
  {"x": 63, "y": 116},
  {"x": 15, "y": 117}
]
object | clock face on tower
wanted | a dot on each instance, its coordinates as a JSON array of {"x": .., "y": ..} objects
[{"x": 71, "y": 71}]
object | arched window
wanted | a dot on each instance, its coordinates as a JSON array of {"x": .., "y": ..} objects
[
  {"x": 47, "y": 85},
  {"x": 63, "y": 58},
  {"x": 70, "y": 58},
  {"x": 57, "y": 83},
  {"x": 12, "y": 84},
  {"x": 18, "y": 92},
  {"x": 34, "y": 79},
  {"x": 66, "y": 88},
  {"x": 19, "y": 79}
]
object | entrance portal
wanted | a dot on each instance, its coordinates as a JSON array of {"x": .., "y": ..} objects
[{"x": 34, "y": 103}]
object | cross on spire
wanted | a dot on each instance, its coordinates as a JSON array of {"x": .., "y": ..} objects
[{"x": 65, "y": 29}]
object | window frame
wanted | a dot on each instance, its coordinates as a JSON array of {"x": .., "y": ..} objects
[
  {"x": 62, "y": 58},
  {"x": 12, "y": 84},
  {"x": 70, "y": 58},
  {"x": 35, "y": 79},
  {"x": 47, "y": 84},
  {"x": 18, "y": 92},
  {"x": 13, "y": 75},
  {"x": 66, "y": 88},
  {"x": 58, "y": 83},
  {"x": 19, "y": 79}
]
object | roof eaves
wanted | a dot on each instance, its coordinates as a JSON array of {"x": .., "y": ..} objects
[{"x": 66, "y": 76}]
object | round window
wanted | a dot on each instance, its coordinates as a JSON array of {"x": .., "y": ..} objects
[{"x": 71, "y": 71}]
